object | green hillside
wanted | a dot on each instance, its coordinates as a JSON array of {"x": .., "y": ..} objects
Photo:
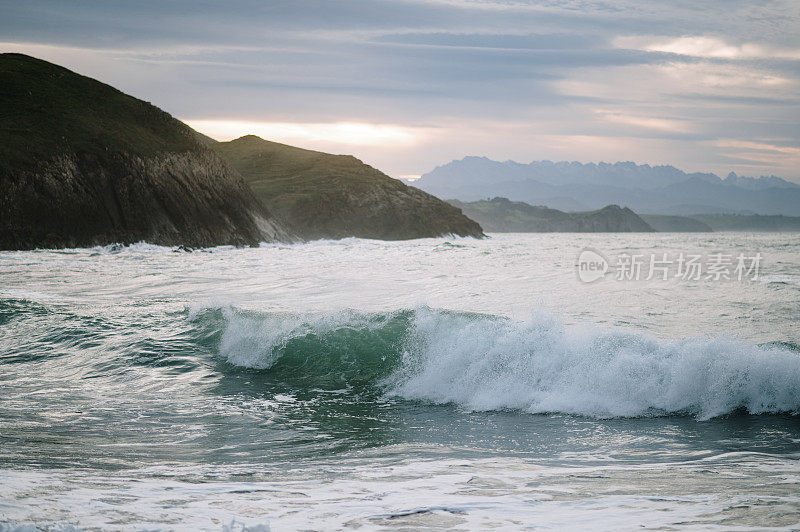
[
  {"x": 47, "y": 109},
  {"x": 320, "y": 195}
]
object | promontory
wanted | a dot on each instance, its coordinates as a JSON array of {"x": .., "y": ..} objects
[{"x": 83, "y": 164}]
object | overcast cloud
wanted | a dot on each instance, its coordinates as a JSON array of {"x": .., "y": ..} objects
[{"x": 407, "y": 85}]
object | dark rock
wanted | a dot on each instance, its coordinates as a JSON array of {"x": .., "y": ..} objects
[{"x": 83, "y": 164}]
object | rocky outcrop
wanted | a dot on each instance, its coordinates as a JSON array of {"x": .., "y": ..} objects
[
  {"x": 504, "y": 216},
  {"x": 320, "y": 195},
  {"x": 83, "y": 164}
]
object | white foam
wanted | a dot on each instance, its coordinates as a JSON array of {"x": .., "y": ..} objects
[
  {"x": 482, "y": 362},
  {"x": 781, "y": 279},
  {"x": 11, "y": 293},
  {"x": 540, "y": 366},
  {"x": 369, "y": 492}
]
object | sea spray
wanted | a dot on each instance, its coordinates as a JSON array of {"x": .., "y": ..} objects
[
  {"x": 482, "y": 362},
  {"x": 540, "y": 366}
]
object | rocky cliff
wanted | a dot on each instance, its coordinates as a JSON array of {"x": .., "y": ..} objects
[
  {"x": 83, "y": 164},
  {"x": 504, "y": 216},
  {"x": 320, "y": 195}
]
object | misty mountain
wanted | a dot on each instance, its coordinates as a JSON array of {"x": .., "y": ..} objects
[{"x": 575, "y": 186}]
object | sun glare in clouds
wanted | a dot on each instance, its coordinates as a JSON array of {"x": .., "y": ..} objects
[
  {"x": 759, "y": 152},
  {"x": 660, "y": 124},
  {"x": 701, "y": 46},
  {"x": 344, "y": 133}
]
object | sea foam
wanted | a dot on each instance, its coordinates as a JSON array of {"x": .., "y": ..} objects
[
  {"x": 540, "y": 366},
  {"x": 481, "y": 362}
]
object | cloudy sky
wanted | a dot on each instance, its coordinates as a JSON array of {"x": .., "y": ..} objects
[{"x": 407, "y": 85}]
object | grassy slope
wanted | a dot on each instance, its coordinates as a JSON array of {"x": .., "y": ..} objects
[
  {"x": 333, "y": 196},
  {"x": 47, "y": 109},
  {"x": 278, "y": 172}
]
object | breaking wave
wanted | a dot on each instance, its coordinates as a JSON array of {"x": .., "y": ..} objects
[{"x": 481, "y": 362}]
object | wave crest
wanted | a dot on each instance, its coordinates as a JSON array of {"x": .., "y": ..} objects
[{"x": 484, "y": 362}]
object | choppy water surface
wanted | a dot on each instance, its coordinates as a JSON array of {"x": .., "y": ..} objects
[{"x": 436, "y": 383}]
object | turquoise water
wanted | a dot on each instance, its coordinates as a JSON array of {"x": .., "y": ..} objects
[{"x": 398, "y": 385}]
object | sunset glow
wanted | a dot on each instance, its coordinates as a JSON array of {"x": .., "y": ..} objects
[{"x": 344, "y": 133}]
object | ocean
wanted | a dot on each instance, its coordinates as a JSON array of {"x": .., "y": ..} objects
[{"x": 446, "y": 383}]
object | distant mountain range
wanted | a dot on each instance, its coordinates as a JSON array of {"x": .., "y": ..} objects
[{"x": 572, "y": 186}]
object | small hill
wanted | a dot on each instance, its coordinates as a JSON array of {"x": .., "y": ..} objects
[
  {"x": 82, "y": 164},
  {"x": 749, "y": 222},
  {"x": 320, "y": 195},
  {"x": 504, "y": 216},
  {"x": 666, "y": 223},
  {"x": 723, "y": 222}
]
